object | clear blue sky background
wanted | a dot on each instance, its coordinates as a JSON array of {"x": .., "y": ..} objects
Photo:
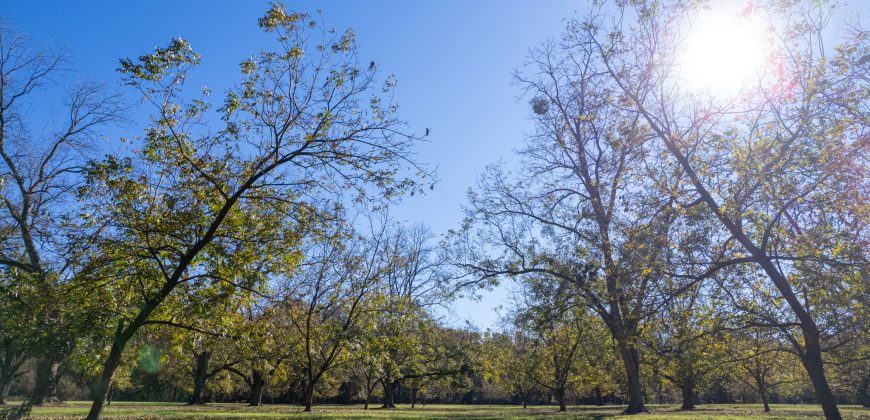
[{"x": 453, "y": 60}]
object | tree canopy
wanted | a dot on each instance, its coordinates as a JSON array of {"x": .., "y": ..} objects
[{"x": 667, "y": 242}]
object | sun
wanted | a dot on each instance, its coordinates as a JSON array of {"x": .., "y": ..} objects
[{"x": 724, "y": 50}]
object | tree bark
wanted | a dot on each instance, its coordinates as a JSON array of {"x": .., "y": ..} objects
[
  {"x": 413, "y": 397},
  {"x": 765, "y": 400},
  {"x": 5, "y": 385},
  {"x": 101, "y": 388},
  {"x": 13, "y": 358},
  {"x": 47, "y": 376},
  {"x": 258, "y": 385},
  {"x": 688, "y": 390},
  {"x": 368, "y": 392},
  {"x": 631, "y": 361},
  {"x": 7, "y": 375},
  {"x": 864, "y": 393},
  {"x": 309, "y": 396},
  {"x": 560, "y": 398},
  {"x": 389, "y": 387},
  {"x": 812, "y": 361},
  {"x": 200, "y": 376}
]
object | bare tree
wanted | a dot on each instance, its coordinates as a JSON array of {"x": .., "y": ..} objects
[
  {"x": 327, "y": 299},
  {"x": 44, "y": 241},
  {"x": 592, "y": 206}
]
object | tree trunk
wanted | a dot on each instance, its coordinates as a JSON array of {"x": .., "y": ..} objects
[
  {"x": 413, "y": 397},
  {"x": 368, "y": 393},
  {"x": 309, "y": 396},
  {"x": 101, "y": 388},
  {"x": 812, "y": 350},
  {"x": 864, "y": 393},
  {"x": 560, "y": 398},
  {"x": 765, "y": 400},
  {"x": 123, "y": 335},
  {"x": 688, "y": 391},
  {"x": 631, "y": 361},
  {"x": 659, "y": 396},
  {"x": 598, "y": 400},
  {"x": 48, "y": 374},
  {"x": 7, "y": 375},
  {"x": 370, "y": 387},
  {"x": 389, "y": 387},
  {"x": 5, "y": 385},
  {"x": 258, "y": 384},
  {"x": 200, "y": 376},
  {"x": 812, "y": 361},
  {"x": 13, "y": 358},
  {"x": 812, "y": 355},
  {"x": 761, "y": 384}
]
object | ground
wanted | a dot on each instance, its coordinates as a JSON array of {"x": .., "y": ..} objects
[{"x": 138, "y": 410}]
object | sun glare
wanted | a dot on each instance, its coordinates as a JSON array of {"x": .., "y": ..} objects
[{"x": 724, "y": 50}]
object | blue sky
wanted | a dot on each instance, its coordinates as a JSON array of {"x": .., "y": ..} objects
[{"x": 453, "y": 60}]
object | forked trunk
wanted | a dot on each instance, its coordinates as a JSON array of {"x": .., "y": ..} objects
[
  {"x": 761, "y": 384},
  {"x": 389, "y": 389}
]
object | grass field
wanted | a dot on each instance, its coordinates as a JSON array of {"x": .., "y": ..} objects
[{"x": 132, "y": 410}]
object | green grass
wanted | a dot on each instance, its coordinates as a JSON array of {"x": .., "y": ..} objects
[{"x": 139, "y": 410}]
